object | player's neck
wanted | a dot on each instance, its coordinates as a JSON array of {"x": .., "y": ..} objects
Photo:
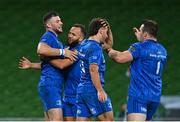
[
  {"x": 95, "y": 38},
  {"x": 52, "y": 31},
  {"x": 150, "y": 38}
]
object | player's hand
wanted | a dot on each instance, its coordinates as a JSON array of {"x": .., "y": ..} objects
[
  {"x": 102, "y": 96},
  {"x": 137, "y": 33},
  {"x": 24, "y": 63},
  {"x": 70, "y": 54},
  {"x": 109, "y": 40}
]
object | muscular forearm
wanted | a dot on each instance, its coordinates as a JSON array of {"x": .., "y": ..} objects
[
  {"x": 45, "y": 50},
  {"x": 113, "y": 54},
  {"x": 49, "y": 52},
  {"x": 120, "y": 57},
  {"x": 61, "y": 63},
  {"x": 94, "y": 72},
  {"x": 95, "y": 79}
]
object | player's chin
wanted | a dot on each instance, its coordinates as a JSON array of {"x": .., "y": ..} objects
[
  {"x": 102, "y": 41},
  {"x": 59, "y": 30}
]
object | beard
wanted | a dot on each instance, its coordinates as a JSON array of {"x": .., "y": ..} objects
[
  {"x": 72, "y": 44},
  {"x": 58, "y": 31}
]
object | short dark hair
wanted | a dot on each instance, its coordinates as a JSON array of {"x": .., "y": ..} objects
[
  {"x": 48, "y": 16},
  {"x": 150, "y": 27},
  {"x": 82, "y": 27},
  {"x": 95, "y": 25}
]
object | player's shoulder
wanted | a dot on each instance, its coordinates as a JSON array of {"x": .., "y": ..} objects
[
  {"x": 89, "y": 44},
  {"x": 47, "y": 35},
  {"x": 141, "y": 44},
  {"x": 162, "y": 48},
  {"x": 83, "y": 43},
  {"x": 157, "y": 45},
  {"x": 95, "y": 45},
  {"x": 161, "y": 45},
  {"x": 136, "y": 45}
]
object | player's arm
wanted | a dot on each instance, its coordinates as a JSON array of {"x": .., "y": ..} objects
[
  {"x": 96, "y": 82},
  {"x": 25, "y": 63},
  {"x": 61, "y": 63},
  {"x": 44, "y": 50},
  {"x": 120, "y": 57}
]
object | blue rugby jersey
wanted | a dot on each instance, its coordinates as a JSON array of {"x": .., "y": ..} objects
[
  {"x": 49, "y": 74},
  {"x": 91, "y": 52},
  {"x": 72, "y": 75},
  {"x": 149, "y": 58}
]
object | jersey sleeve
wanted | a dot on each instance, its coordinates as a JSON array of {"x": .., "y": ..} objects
[
  {"x": 135, "y": 50},
  {"x": 46, "y": 40},
  {"x": 94, "y": 55}
]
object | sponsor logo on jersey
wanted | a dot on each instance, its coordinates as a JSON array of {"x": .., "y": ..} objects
[{"x": 132, "y": 48}]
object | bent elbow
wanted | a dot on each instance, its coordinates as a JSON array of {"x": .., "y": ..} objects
[
  {"x": 61, "y": 67},
  {"x": 40, "y": 52}
]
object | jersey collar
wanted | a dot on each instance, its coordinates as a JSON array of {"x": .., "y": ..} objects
[
  {"x": 152, "y": 40},
  {"x": 94, "y": 41},
  {"x": 52, "y": 33}
]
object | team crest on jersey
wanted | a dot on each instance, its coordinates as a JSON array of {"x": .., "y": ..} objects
[{"x": 132, "y": 48}]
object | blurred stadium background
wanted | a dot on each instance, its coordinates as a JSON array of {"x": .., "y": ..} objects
[{"x": 21, "y": 28}]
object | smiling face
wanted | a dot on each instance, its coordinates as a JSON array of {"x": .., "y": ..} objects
[
  {"x": 75, "y": 35},
  {"x": 55, "y": 24}
]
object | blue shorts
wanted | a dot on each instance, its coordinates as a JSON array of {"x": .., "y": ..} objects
[
  {"x": 88, "y": 105},
  {"x": 69, "y": 106},
  {"x": 138, "y": 106},
  {"x": 50, "y": 97}
]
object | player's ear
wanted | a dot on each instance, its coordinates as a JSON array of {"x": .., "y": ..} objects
[
  {"x": 145, "y": 34},
  {"x": 48, "y": 25}
]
